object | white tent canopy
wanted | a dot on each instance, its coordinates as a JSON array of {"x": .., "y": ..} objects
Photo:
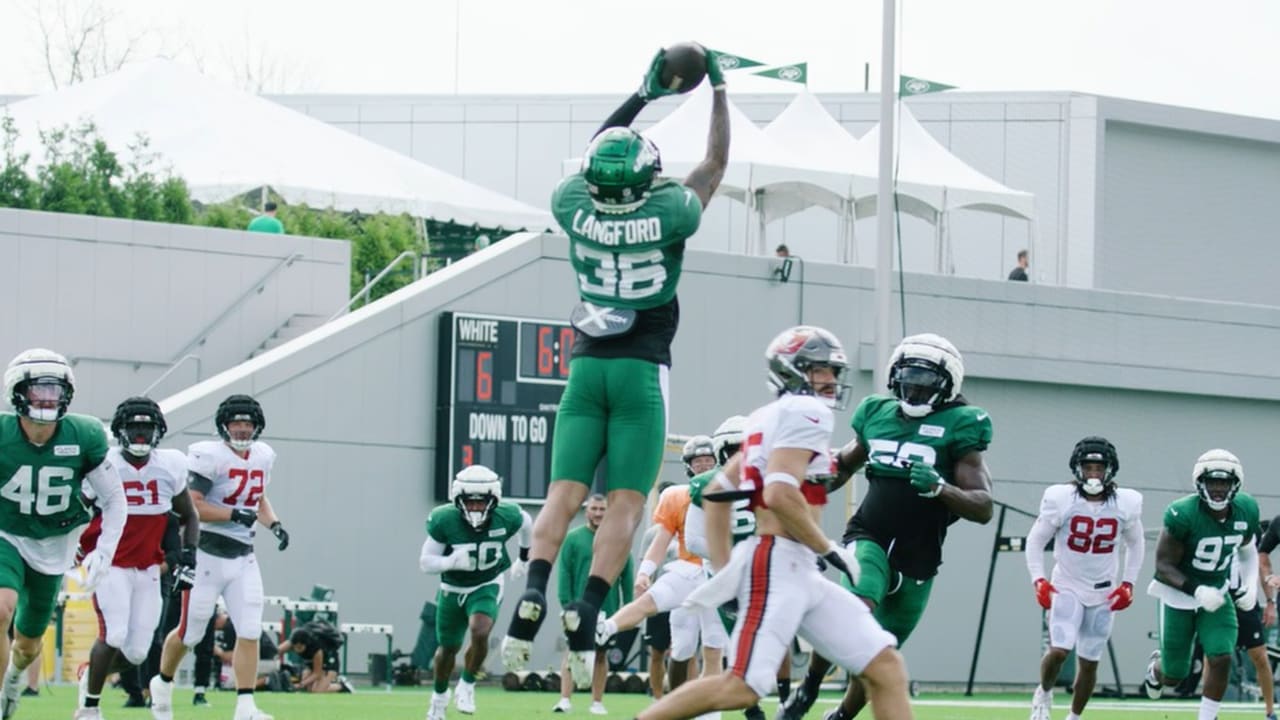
[
  {"x": 931, "y": 180},
  {"x": 225, "y": 142},
  {"x": 761, "y": 172}
]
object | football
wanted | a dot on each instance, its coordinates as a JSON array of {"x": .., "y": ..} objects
[{"x": 683, "y": 66}]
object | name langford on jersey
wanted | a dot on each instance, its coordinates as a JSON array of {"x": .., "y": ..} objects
[{"x": 617, "y": 232}]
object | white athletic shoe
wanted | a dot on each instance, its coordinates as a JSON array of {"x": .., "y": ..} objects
[
  {"x": 515, "y": 653},
  {"x": 1151, "y": 684},
  {"x": 439, "y": 704},
  {"x": 252, "y": 713},
  {"x": 85, "y": 713},
  {"x": 1042, "y": 704},
  {"x": 161, "y": 698},
  {"x": 563, "y": 706},
  {"x": 11, "y": 691},
  {"x": 464, "y": 697},
  {"x": 597, "y": 708},
  {"x": 581, "y": 666}
]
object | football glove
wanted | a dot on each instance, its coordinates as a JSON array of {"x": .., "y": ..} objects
[
  {"x": 460, "y": 561},
  {"x": 244, "y": 517},
  {"x": 715, "y": 75},
  {"x": 1247, "y": 598},
  {"x": 519, "y": 569},
  {"x": 925, "y": 480},
  {"x": 184, "y": 573},
  {"x": 651, "y": 87},
  {"x": 843, "y": 559},
  {"x": 1044, "y": 593},
  {"x": 281, "y": 534},
  {"x": 1121, "y": 597},
  {"x": 95, "y": 568},
  {"x": 1210, "y": 598}
]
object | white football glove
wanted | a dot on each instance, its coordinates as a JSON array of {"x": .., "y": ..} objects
[
  {"x": 1247, "y": 598},
  {"x": 460, "y": 561},
  {"x": 843, "y": 559},
  {"x": 95, "y": 566},
  {"x": 519, "y": 569},
  {"x": 1210, "y": 598}
]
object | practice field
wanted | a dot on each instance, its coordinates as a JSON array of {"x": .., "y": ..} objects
[{"x": 496, "y": 704}]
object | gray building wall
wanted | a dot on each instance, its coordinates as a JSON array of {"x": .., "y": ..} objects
[
  {"x": 350, "y": 408},
  {"x": 124, "y": 300}
]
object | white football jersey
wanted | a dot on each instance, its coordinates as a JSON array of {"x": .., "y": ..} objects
[
  {"x": 1087, "y": 539},
  {"x": 791, "y": 421},
  {"x": 237, "y": 482},
  {"x": 150, "y": 489}
]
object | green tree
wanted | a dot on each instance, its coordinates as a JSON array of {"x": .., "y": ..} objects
[{"x": 17, "y": 189}]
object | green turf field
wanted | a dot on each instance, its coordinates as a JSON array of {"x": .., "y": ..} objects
[{"x": 493, "y": 703}]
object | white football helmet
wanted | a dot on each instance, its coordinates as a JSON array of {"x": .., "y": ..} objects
[
  {"x": 1217, "y": 465},
  {"x": 925, "y": 372},
  {"x": 476, "y": 482},
  {"x": 728, "y": 437},
  {"x": 43, "y": 377},
  {"x": 697, "y": 446}
]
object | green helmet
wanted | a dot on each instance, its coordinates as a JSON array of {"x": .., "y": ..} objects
[{"x": 620, "y": 167}]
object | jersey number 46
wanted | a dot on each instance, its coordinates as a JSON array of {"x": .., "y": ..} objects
[{"x": 47, "y": 492}]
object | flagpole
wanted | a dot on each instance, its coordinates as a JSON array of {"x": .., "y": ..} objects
[{"x": 884, "y": 203}]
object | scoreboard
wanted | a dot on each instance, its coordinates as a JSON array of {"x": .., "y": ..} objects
[{"x": 499, "y": 386}]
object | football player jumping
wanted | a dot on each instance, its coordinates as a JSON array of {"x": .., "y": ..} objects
[
  {"x": 615, "y": 403},
  {"x": 774, "y": 575},
  {"x": 228, "y": 483},
  {"x": 922, "y": 447},
  {"x": 48, "y": 457},
  {"x": 1203, "y": 534},
  {"x": 1086, "y": 520},
  {"x": 467, "y": 544},
  {"x": 678, "y": 579},
  {"x": 128, "y": 599}
]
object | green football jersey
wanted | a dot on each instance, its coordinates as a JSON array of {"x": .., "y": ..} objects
[
  {"x": 742, "y": 523},
  {"x": 909, "y": 527},
  {"x": 1209, "y": 545},
  {"x": 629, "y": 260},
  {"x": 488, "y": 547},
  {"x": 40, "y": 495}
]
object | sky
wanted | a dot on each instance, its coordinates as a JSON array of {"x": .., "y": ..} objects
[{"x": 1218, "y": 56}]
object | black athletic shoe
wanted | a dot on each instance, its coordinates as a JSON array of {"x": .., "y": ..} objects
[
  {"x": 800, "y": 702},
  {"x": 754, "y": 713}
]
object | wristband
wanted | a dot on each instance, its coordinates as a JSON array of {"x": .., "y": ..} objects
[{"x": 647, "y": 567}]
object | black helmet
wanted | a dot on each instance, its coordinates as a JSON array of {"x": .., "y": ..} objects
[
  {"x": 1095, "y": 449},
  {"x": 139, "y": 425},
  {"x": 239, "y": 407}
]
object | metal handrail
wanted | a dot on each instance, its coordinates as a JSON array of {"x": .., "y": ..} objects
[
  {"x": 174, "y": 366},
  {"x": 254, "y": 289},
  {"x": 369, "y": 285},
  {"x": 137, "y": 364}
]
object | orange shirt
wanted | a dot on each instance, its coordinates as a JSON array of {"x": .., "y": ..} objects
[{"x": 672, "y": 506}]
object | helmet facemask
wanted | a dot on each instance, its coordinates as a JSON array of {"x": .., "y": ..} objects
[
  {"x": 699, "y": 455},
  {"x": 1094, "y": 463},
  {"x": 235, "y": 409},
  {"x": 238, "y": 436},
  {"x": 476, "y": 491},
  {"x": 920, "y": 386},
  {"x": 796, "y": 353},
  {"x": 1218, "y": 476},
  {"x": 139, "y": 436},
  {"x": 46, "y": 399}
]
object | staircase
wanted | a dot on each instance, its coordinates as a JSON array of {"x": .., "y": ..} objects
[{"x": 295, "y": 326}]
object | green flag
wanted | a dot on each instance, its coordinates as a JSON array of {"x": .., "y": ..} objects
[
  {"x": 908, "y": 85},
  {"x": 729, "y": 61},
  {"x": 797, "y": 73}
]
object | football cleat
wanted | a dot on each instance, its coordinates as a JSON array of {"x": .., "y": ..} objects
[
  {"x": 11, "y": 691},
  {"x": 515, "y": 653},
  {"x": 797, "y": 705},
  {"x": 605, "y": 629},
  {"x": 85, "y": 713},
  {"x": 464, "y": 697},
  {"x": 517, "y": 646},
  {"x": 439, "y": 704},
  {"x": 597, "y": 708},
  {"x": 161, "y": 699},
  {"x": 251, "y": 713},
  {"x": 836, "y": 713},
  {"x": 754, "y": 713},
  {"x": 1151, "y": 684},
  {"x": 562, "y": 706}
]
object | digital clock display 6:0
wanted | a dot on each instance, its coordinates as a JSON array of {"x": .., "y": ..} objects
[{"x": 499, "y": 385}]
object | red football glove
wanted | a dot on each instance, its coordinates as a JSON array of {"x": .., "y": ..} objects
[
  {"x": 1121, "y": 597},
  {"x": 1044, "y": 593}
]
